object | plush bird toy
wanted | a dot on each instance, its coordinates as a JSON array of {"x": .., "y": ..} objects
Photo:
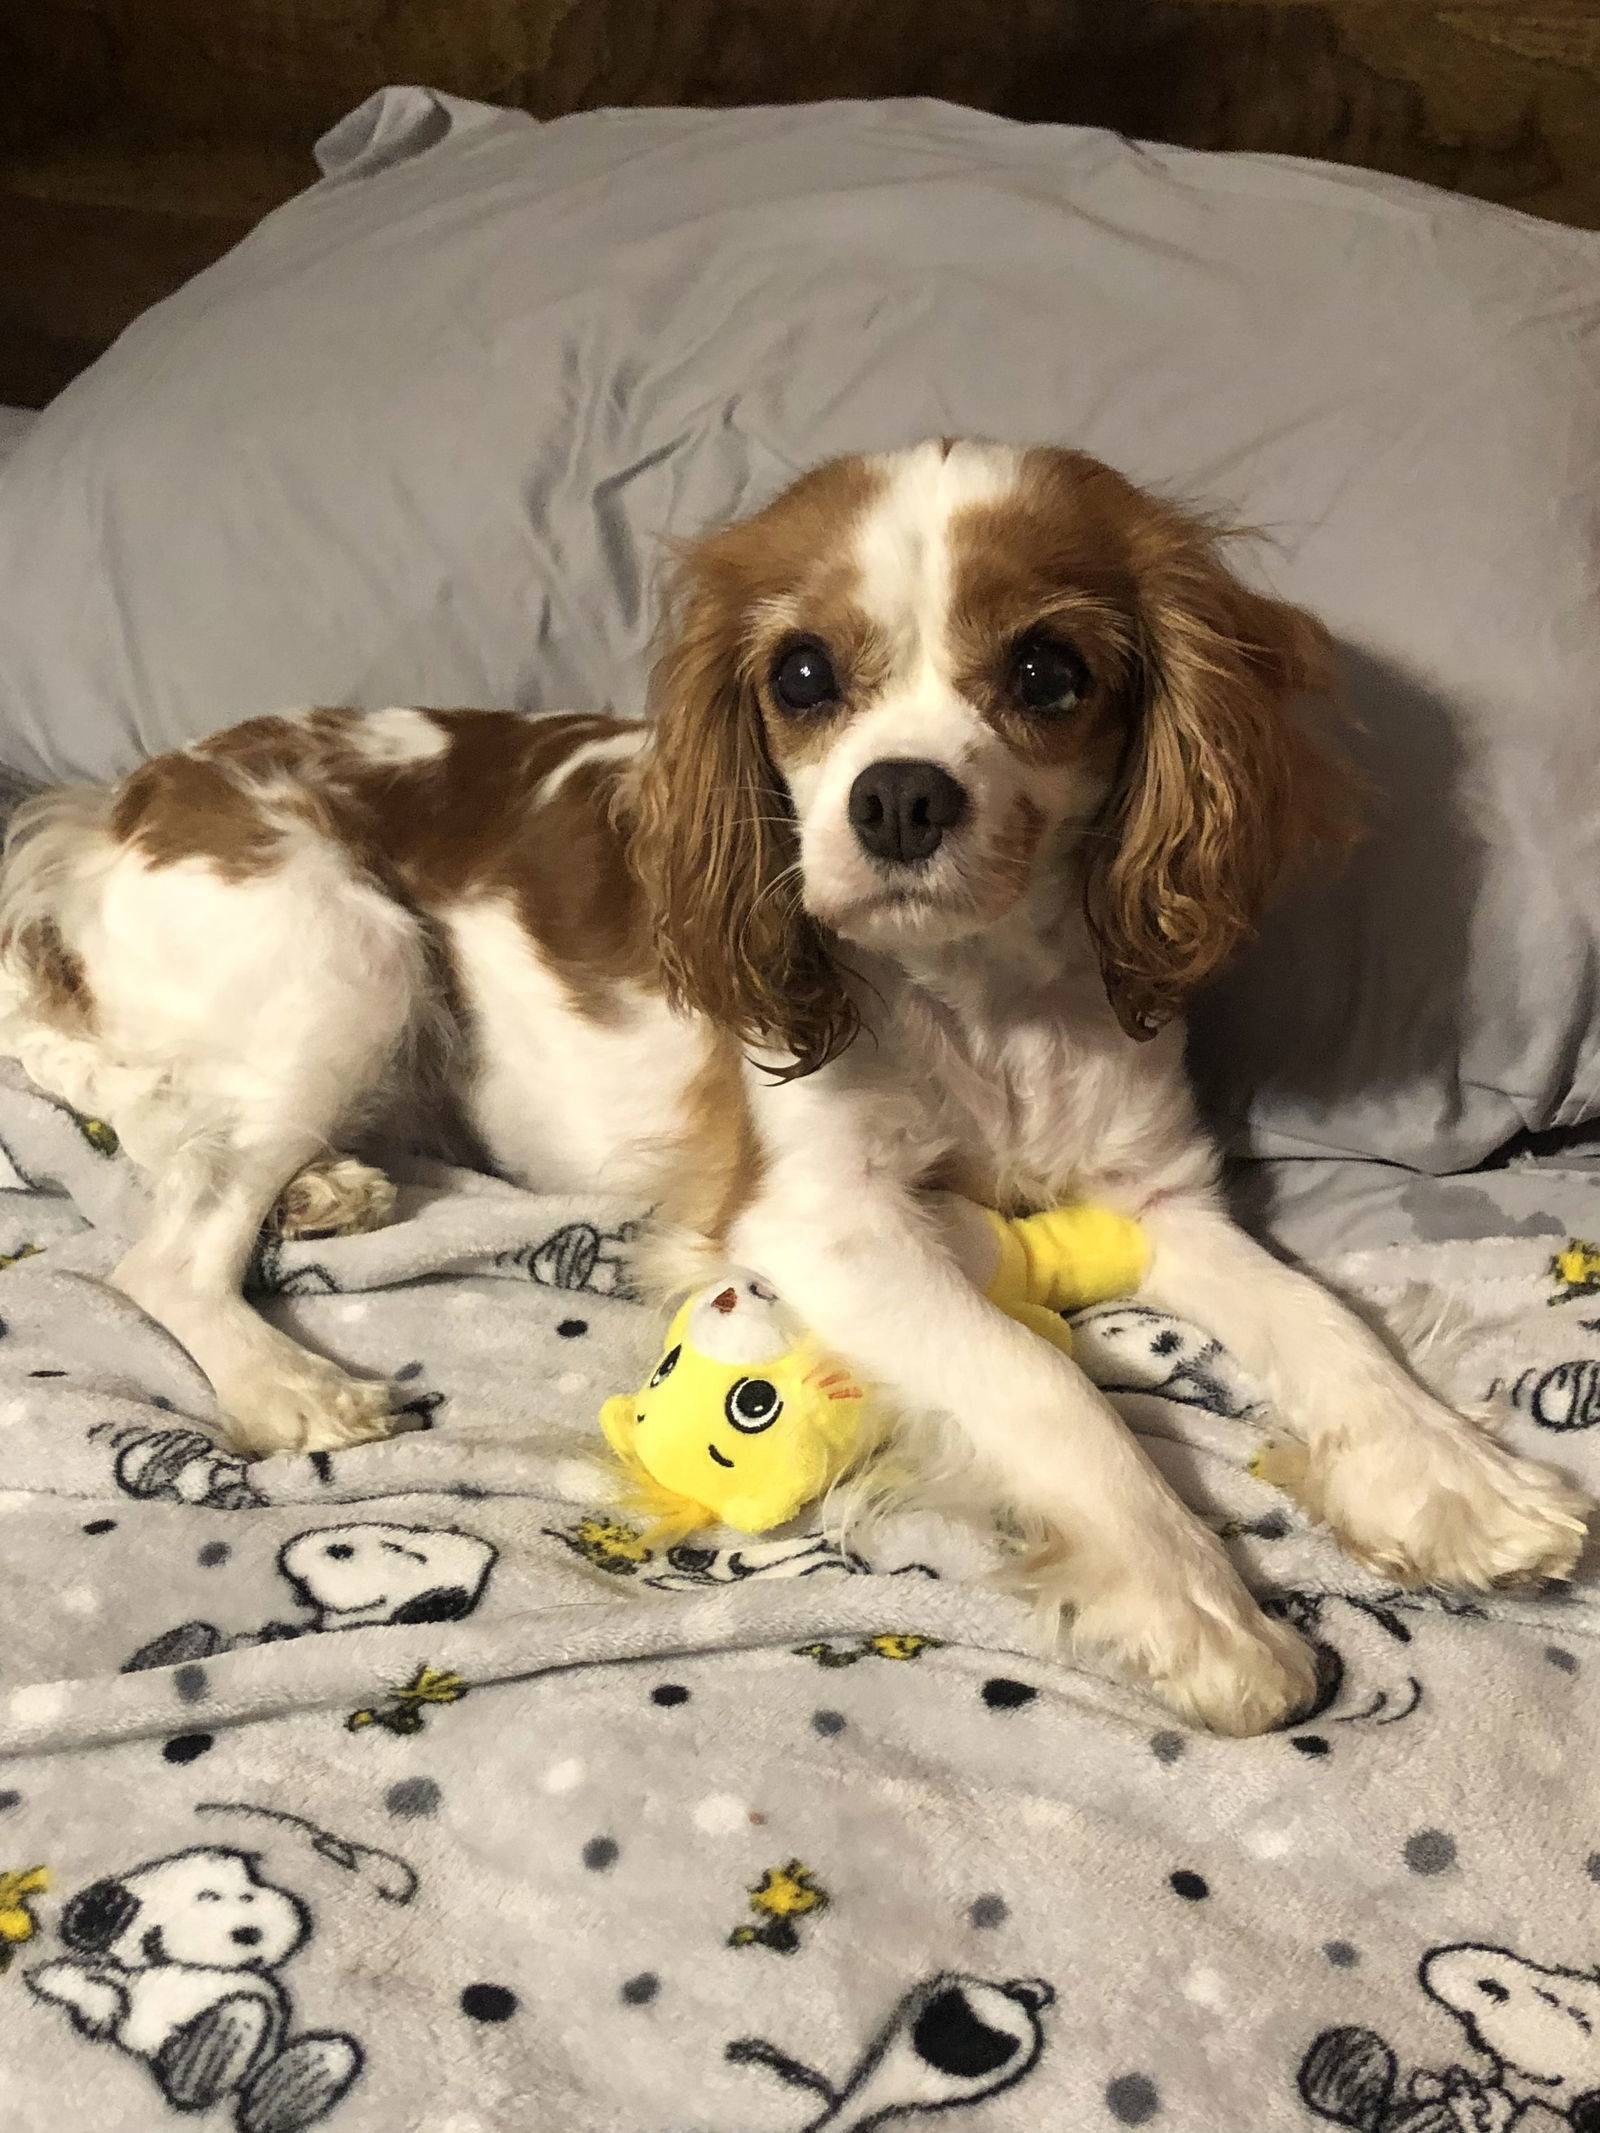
[{"x": 747, "y": 1419}]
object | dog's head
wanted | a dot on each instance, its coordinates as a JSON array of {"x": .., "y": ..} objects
[
  {"x": 206, "y": 1908},
  {"x": 919, "y": 689}
]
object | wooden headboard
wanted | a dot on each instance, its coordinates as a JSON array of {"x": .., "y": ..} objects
[{"x": 139, "y": 138}]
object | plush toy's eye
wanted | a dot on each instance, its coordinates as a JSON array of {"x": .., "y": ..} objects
[
  {"x": 753, "y": 1404},
  {"x": 667, "y": 1365}
]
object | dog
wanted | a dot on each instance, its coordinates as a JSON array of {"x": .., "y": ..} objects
[{"x": 966, "y": 764}]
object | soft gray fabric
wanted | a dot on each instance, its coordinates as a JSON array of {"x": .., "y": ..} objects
[
  {"x": 1314, "y": 1208},
  {"x": 417, "y": 438},
  {"x": 586, "y": 1838}
]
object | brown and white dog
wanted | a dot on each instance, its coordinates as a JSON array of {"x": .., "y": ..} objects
[{"x": 966, "y": 765}]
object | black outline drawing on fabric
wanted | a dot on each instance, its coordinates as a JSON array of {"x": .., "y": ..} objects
[
  {"x": 393, "y": 1879},
  {"x": 23, "y": 1251},
  {"x": 1273, "y": 1525},
  {"x": 953, "y": 2040},
  {"x": 95, "y": 1131},
  {"x": 407, "y": 1707},
  {"x": 268, "y": 1276},
  {"x": 1357, "y": 1643},
  {"x": 887, "y": 1644},
  {"x": 17, "y": 1922},
  {"x": 358, "y": 1574},
  {"x": 1130, "y": 1347},
  {"x": 423, "y": 1406},
  {"x": 1536, "y": 2025},
  {"x": 24, "y": 1183},
  {"x": 783, "y": 1894},
  {"x": 803, "y": 1555},
  {"x": 579, "y": 1255},
  {"x": 175, "y": 1962},
  {"x": 178, "y": 1465},
  {"x": 364, "y": 1572},
  {"x": 1575, "y": 1270},
  {"x": 610, "y": 1544},
  {"x": 1564, "y": 1396}
]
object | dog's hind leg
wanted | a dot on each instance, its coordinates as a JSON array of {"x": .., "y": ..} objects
[
  {"x": 209, "y": 1203},
  {"x": 259, "y": 1123},
  {"x": 338, "y": 1197},
  {"x": 245, "y": 1010}
]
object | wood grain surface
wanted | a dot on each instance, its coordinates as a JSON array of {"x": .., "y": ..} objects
[{"x": 139, "y": 138}]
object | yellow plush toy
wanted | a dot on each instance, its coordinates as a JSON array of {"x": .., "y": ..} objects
[{"x": 747, "y": 1419}]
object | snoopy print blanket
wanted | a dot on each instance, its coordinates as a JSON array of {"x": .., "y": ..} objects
[{"x": 408, "y": 1791}]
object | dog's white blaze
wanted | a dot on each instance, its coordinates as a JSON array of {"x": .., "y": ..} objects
[{"x": 397, "y": 736}]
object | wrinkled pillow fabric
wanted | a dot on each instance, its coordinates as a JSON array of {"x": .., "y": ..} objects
[{"x": 418, "y": 438}]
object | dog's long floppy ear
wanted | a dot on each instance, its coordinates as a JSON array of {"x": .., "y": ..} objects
[
  {"x": 713, "y": 841},
  {"x": 1221, "y": 786}
]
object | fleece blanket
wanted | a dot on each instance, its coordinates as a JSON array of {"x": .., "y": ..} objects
[{"x": 409, "y": 1791}]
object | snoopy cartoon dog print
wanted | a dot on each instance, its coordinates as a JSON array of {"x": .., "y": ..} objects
[
  {"x": 355, "y": 1576},
  {"x": 951, "y": 2041},
  {"x": 1536, "y": 2027},
  {"x": 176, "y": 1964}
]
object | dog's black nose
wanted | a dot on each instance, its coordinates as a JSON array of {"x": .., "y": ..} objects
[
  {"x": 246, "y": 1936},
  {"x": 900, "y": 810}
]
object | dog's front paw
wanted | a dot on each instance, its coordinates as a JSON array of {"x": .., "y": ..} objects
[
  {"x": 1201, "y": 1643},
  {"x": 1433, "y": 1501},
  {"x": 305, "y": 1404}
]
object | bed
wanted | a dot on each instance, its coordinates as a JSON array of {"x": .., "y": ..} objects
[{"x": 410, "y": 1788}]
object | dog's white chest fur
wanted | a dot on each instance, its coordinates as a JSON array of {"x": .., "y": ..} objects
[{"x": 1028, "y": 1089}]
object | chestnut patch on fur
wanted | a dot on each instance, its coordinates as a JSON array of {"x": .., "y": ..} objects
[
  {"x": 713, "y": 841},
  {"x": 1214, "y": 787},
  {"x": 187, "y": 807}
]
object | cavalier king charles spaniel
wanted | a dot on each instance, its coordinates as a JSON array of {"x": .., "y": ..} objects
[{"x": 966, "y": 764}]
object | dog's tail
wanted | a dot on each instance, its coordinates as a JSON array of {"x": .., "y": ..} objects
[{"x": 56, "y": 848}]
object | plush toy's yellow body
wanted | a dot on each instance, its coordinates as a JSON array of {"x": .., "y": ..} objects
[{"x": 747, "y": 1419}]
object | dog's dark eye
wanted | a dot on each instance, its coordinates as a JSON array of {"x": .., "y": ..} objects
[
  {"x": 667, "y": 1365},
  {"x": 753, "y": 1404},
  {"x": 803, "y": 678},
  {"x": 1046, "y": 675}
]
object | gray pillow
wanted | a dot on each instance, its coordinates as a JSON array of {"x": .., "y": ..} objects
[{"x": 416, "y": 439}]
